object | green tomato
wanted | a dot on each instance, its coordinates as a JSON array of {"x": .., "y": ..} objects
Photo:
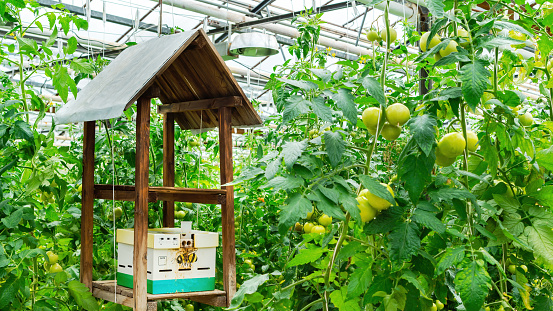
[
  {"x": 318, "y": 230},
  {"x": 52, "y": 257},
  {"x": 472, "y": 141},
  {"x": 452, "y": 145},
  {"x": 526, "y": 119},
  {"x": 450, "y": 48},
  {"x": 524, "y": 268},
  {"x": 372, "y": 36},
  {"x": 325, "y": 220},
  {"x": 463, "y": 34},
  {"x": 393, "y": 35},
  {"x": 434, "y": 307},
  {"x": 370, "y": 118},
  {"x": 390, "y": 132},
  {"x": 377, "y": 202},
  {"x": 189, "y": 307},
  {"x": 55, "y": 268},
  {"x": 397, "y": 114},
  {"x": 512, "y": 269},
  {"x": 308, "y": 227},
  {"x": 424, "y": 41},
  {"x": 180, "y": 214},
  {"x": 117, "y": 212}
]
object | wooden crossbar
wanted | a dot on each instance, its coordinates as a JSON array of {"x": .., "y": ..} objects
[
  {"x": 192, "y": 195},
  {"x": 203, "y": 104}
]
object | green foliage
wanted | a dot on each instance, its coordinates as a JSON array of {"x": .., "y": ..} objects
[{"x": 449, "y": 234}]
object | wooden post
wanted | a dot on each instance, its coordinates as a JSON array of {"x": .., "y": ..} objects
[
  {"x": 87, "y": 211},
  {"x": 140, "y": 294},
  {"x": 424, "y": 26},
  {"x": 169, "y": 167},
  {"x": 227, "y": 208}
]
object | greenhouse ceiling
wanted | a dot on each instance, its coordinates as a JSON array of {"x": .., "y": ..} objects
[{"x": 115, "y": 24}]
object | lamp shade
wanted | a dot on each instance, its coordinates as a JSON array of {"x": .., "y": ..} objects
[{"x": 254, "y": 44}]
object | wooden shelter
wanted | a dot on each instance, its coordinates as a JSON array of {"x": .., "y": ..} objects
[{"x": 197, "y": 90}]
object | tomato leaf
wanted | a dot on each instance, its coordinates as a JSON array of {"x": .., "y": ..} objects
[
  {"x": 345, "y": 101},
  {"x": 472, "y": 282},
  {"x": 8, "y": 291},
  {"x": 360, "y": 280},
  {"x": 545, "y": 158},
  {"x": 540, "y": 238},
  {"x": 429, "y": 220},
  {"x": 339, "y": 299},
  {"x": 327, "y": 206},
  {"x": 404, "y": 242},
  {"x": 422, "y": 129},
  {"x": 436, "y": 7},
  {"x": 82, "y": 296},
  {"x": 475, "y": 79},
  {"x": 385, "y": 221},
  {"x": 335, "y": 147},
  {"x": 415, "y": 171},
  {"x": 545, "y": 44},
  {"x": 323, "y": 74},
  {"x": 376, "y": 188},
  {"x": 306, "y": 255},
  {"x": 14, "y": 218},
  {"x": 452, "y": 256},
  {"x": 249, "y": 287},
  {"x": 304, "y": 85},
  {"x": 447, "y": 194},
  {"x": 297, "y": 206},
  {"x": 374, "y": 88},
  {"x": 292, "y": 151},
  {"x": 22, "y": 130},
  {"x": 320, "y": 108},
  {"x": 295, "y": 106},
  {"x": 284, "y": 183}
]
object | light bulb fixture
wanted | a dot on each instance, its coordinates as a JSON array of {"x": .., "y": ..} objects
[{"x": 254, "y": 44}]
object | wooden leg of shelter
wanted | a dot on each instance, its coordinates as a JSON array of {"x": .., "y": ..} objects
[
  {"x": 227, "y": 208},
  {"x": 140, "y": 294},
  {"x": 87, "y": 212},
  {"x": 169, "y": 167}
]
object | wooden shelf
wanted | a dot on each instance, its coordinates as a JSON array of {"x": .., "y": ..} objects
[
  {"x": 193, "y": 195},
  {"x": 106, "y": 290}
]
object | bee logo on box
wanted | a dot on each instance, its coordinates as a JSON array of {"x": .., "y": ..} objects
[{"x": 186, "y": 257}]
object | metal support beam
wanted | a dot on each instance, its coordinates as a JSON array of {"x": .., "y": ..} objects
[
  {"x": 276, "y": 18},
  {"x": 263, "y": 4},
  {"x": 361, "y": 27},
  {"x": 100, "y": 15},
  {"x": 141, "y": 19}
]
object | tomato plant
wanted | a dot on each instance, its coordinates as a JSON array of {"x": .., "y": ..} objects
[{"x": 363, "y": 193}]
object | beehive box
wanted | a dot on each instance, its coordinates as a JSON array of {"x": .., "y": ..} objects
[{"x": 180, "y": 260}]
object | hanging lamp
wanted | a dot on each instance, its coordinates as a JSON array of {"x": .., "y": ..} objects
[{"x": 254, "y": 44}]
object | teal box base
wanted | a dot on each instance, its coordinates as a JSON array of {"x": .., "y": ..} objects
[{"x": 170, "y": 286}]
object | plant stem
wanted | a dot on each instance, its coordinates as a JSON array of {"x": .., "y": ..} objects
[
  {"x": 333, "y": 259},
  {"x": 311, "y": 304}
]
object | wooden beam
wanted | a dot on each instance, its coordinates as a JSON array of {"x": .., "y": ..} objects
[
  {"x": 227, "y": 209},
  {"x": 110, "y": 296},
  {"x": 106, "y": 289},
  {"x": 193, "y": 195},
  {"x": 202, "y": 104},
  {"x": 87, "y": 213},
  {"x": 216, "y": 301},
  {"x": 120, "y": 195},
  {"x": 169, "y": 167},
  {"x": 140, "y": 293}
]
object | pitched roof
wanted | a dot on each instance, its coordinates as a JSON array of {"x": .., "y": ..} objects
[{"x": 185, "y": 67}]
